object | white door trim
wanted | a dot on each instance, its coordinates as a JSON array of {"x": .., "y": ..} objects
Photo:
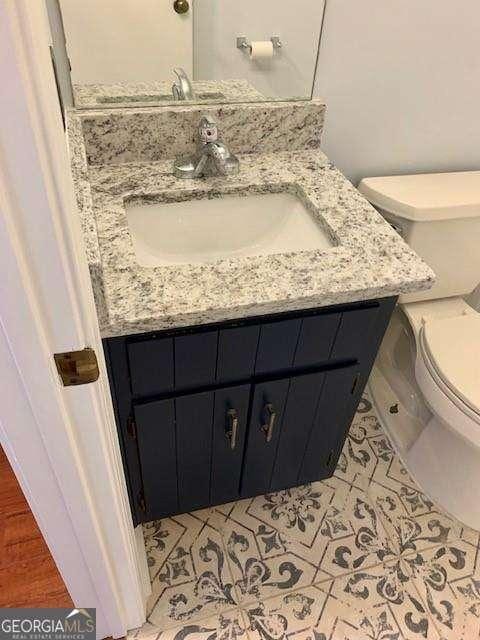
[{"x": 77, "y": 487}]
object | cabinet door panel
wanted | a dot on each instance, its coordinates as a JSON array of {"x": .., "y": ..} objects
[
  {"x": 331, "y": 423},
  {"x": 267, "y": 410},
  {"x": 354, "y": 334},
  {"x": 151, "y": 366},
  {"x": 156, "y": 444},
  {"x": 316, "y": 339},
  {"x": 298, "y": 417},
  {"x": 195, "y": 359},
  {"x": 194, "y": 419},
  {"x": 230, "y": 413},
  {"x": 276, "y": 346},
  {"x": 237, "y": 348}
]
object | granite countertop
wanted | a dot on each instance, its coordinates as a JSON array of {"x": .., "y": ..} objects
[
  {"x": 130, "y": 94},
  {"x": 369, "y": 260}
]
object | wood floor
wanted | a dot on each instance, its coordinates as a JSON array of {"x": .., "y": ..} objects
[{"x": 28, "y": 575}]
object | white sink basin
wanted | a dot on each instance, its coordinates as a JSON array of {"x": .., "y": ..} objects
[{"x": 199, "y": 231}]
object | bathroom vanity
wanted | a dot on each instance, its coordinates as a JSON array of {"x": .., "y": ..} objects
[
  {"x": 211, "y": 414},
  {"x": 241, "y": 314}
]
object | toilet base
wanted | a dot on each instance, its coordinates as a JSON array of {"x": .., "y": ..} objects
[
  {"x": 445, "y": 466},
  {"x": 448, "y": 469}
]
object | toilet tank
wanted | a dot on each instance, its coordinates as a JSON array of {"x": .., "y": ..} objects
[{"x": 438, "y": 215}]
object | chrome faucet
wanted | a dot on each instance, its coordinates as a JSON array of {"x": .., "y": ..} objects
[
  {"x": 182, "y": 89},
  {"x": 212, "y": 156}
]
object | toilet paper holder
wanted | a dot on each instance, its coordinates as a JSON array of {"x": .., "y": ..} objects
[{"x": 243, "y": 43}]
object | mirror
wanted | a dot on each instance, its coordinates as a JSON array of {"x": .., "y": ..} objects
[{"x": 135, "y": 53}]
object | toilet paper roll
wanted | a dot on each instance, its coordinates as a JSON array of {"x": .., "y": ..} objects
[{"x": 261, "y": 49}]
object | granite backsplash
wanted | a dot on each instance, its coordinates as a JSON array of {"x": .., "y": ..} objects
[{"x": 155, "y": 134}]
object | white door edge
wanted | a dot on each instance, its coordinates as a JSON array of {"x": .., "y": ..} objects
[{"x": 77, "y": 490}]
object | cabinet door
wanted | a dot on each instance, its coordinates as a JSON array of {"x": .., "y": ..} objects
[
  {"x": 175, "y": 444},
  {"x": 300, "y": 410},
  {"x": 263, "y": 433},
  {"x": 229, "y": 431},
  {"x": 191, "y": 449},
  {"x": 330, "y": 426}
]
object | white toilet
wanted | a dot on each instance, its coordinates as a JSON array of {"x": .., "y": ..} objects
[{"x": 426, "y": 381}]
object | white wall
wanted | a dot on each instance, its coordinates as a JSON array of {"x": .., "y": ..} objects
[
  {"x": 401, "y": 79},
  {"x": 126, "y": 40},
  {"x": 289, "y": 73}
]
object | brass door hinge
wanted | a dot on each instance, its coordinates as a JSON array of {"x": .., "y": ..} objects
[
  {"x": 142, "y": 505},
  {"x": 77, "y": 367}
]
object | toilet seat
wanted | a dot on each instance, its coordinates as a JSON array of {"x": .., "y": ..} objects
[{"x": 451, "y": 347}]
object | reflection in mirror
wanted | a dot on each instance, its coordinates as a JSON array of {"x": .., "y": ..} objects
[{"x": 131, "y": 53}]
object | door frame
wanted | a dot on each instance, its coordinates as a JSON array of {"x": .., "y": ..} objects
[{"x": 62, "y": 442}]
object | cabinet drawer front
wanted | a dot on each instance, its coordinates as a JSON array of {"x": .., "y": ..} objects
[
  {"x": 332, "y": 420},
  {"x": 151, "y": 366},
  {"x": 263, "y": 433},
  {"x": 162, "y": 365},
  {"x": 156, "y": 445},
  {"x": 194, "y": 421},
  {"x": 230, "y": 417},
  {"x": 317, "y": 335},
  {"x": 276, "y": 346},
  {"x": 298, "y": 417},
  {"x": 354, "y": 333},
  {"x": 237, "y": 350},
  {"x": 195, "y": 359}
]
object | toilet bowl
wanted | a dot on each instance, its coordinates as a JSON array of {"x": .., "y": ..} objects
[{"x": 426, "y": 381}]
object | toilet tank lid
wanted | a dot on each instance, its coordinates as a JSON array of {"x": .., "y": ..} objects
[{"x": 426, "y": 196}]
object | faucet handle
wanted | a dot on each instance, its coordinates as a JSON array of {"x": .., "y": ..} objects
[{"x": 207, "y": 130}]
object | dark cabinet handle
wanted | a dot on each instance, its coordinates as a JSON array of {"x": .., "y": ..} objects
[
  {"x": 269, "y": 418},
  {"x": 232, "y": 427}
]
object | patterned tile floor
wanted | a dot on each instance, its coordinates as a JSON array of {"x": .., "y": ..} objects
[{"x": 363, "y": 555}]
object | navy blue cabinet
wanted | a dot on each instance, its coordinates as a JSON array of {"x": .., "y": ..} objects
[{"x": 210, "y": 414}]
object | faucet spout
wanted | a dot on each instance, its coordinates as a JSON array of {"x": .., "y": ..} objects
[{"x": 182, "y": 88}]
